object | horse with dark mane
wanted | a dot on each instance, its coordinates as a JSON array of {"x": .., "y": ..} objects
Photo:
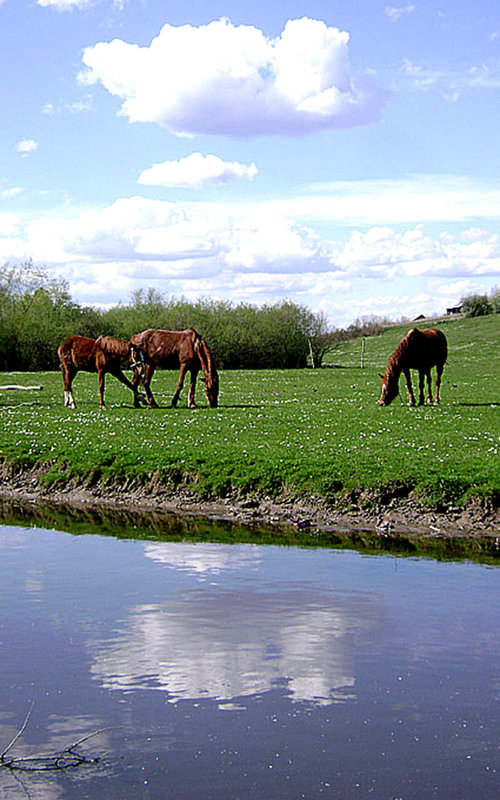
[
  {"x": 183, "y": 350},
  {"x": 101, "y": 355},
  {"x": 420, "y": 350}
]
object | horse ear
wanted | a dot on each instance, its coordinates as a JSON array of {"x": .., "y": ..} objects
[{"x": 381, "y": 376}]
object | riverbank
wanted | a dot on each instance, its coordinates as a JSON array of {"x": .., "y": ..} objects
[
  {"x": 309, "y": 450},
  {"x": 399, "y": 523}
]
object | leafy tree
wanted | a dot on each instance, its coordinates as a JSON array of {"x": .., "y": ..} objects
[
  {"x": 36, "y": 312},
  {"x": 476, "y": 305}
]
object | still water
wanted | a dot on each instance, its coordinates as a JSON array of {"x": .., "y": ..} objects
[{"x": 245, "y": 672}]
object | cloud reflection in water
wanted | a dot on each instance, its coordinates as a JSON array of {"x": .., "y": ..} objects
[{"x": 232, "y": 641}]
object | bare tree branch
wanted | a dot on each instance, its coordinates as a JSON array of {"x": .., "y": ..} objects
[{"x": 20, "y": 731}]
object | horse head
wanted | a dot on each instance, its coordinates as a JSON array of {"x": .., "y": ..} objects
[
  {"x": 390, "y": 390},
  {"x": 136, "y": 359},
  {"x": 212, "y": 389}
]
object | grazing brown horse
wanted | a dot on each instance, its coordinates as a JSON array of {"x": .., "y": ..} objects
[
  {"x": 101, "y": 355},
  {"x": 183, "y": 350},
  {"x": 420, "y": 350}
]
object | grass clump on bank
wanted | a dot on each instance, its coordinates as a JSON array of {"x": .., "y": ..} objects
[{"x": 319, "y": 433}]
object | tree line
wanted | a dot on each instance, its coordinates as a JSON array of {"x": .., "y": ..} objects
[{"x": 37, "y": 313}]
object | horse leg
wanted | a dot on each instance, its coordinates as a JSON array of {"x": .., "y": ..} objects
[
  {"x": 192, "y": 387},
  {"x": 148, "y": 374},
  {"x": 439, "y": 372},
  {"x": 101, "y": 380},
  {"x": 69, "y": 373},
  {"x": 117, "y": 373},
  {"x": 180, "y": 384},
  {"x": 429, "y": 393},
  {"x": 411, "y": 398},
  {"x": 421, "y": 382}
]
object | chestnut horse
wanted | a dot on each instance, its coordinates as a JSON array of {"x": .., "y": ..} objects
[
  {"x": 101, "y": 355},
  {"x": 183, "y": 350},
  {"x": 417, "y": 350}
]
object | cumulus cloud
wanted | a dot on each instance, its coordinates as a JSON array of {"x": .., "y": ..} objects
[
  {"x": 257, "y": 253},
  {"x": 386, "y": 253},
  {"x": 196, "y": 170},
  {"x": 26, "y": 146},
  {"x": 227, "y": 80}
]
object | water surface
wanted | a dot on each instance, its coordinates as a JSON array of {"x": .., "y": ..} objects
[{"x": 226, "y": 672}]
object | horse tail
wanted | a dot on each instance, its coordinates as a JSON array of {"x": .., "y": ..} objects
[
  {"x": 444, "y": 346},
  {"x": 65, "y": 352}
]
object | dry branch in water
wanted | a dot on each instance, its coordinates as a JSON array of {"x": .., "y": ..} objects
[{"x": 63, "y": 759}]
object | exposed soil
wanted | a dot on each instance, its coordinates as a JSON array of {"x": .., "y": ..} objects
[{"x": 394, "y": 517}]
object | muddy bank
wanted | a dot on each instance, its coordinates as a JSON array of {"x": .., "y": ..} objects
[{"x": 401, "y": 522}]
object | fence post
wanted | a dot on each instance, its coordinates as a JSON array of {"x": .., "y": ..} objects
[{"x": 311, "y": 354}]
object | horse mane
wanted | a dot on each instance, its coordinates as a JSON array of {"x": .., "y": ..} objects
[
  {"x": 395, "y": 361},
  {"x": 206, "y": 358},
  {"x": 112, "y": 346}
]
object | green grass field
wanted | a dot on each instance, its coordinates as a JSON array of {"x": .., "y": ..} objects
[{"x": 317, "y": 432}]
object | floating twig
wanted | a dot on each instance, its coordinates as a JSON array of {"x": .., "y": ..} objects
[
  {"x": 19, "y": 733},
  {"x": 66, "y": 758}
]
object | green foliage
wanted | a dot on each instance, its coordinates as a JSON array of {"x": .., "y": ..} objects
[
  {"x": 313, "y": 432},
  {"x": 495, "y": 300},
  {"x": 36, "y": 314},
  {"x": 476, "y": 305}
]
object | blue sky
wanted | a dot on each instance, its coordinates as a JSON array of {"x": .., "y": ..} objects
[{"x": 343, "y": 155}]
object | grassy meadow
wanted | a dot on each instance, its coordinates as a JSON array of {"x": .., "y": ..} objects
[{"x": 316, "y": 432}]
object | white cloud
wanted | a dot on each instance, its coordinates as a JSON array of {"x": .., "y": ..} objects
[
  {"x": 417, "y": 198},
  {"x": 263, "y": 253},
  {"x": 451, "y": 84},
  {"x": 227, "y": 80},
  {"x": 194, "y": 171},
  {"x": 65, "y": 5},
  {"x": 382, "y": 252},
  {"x": 6, "y": 193},
  {"x": 26, "y": 146},
  {"x": 396, "y": 12},
  {"x": 79, "y": 106},
  {"x": 10, "y": 224}
]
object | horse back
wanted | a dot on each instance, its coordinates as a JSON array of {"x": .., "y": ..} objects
[
  {"x": 111, "y": 351},
  {"x": 426, "y": 348},
  {"x": 166, "y": 348}
]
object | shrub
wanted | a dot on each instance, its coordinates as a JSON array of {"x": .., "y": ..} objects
[{"x": 476, "y": 305}]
